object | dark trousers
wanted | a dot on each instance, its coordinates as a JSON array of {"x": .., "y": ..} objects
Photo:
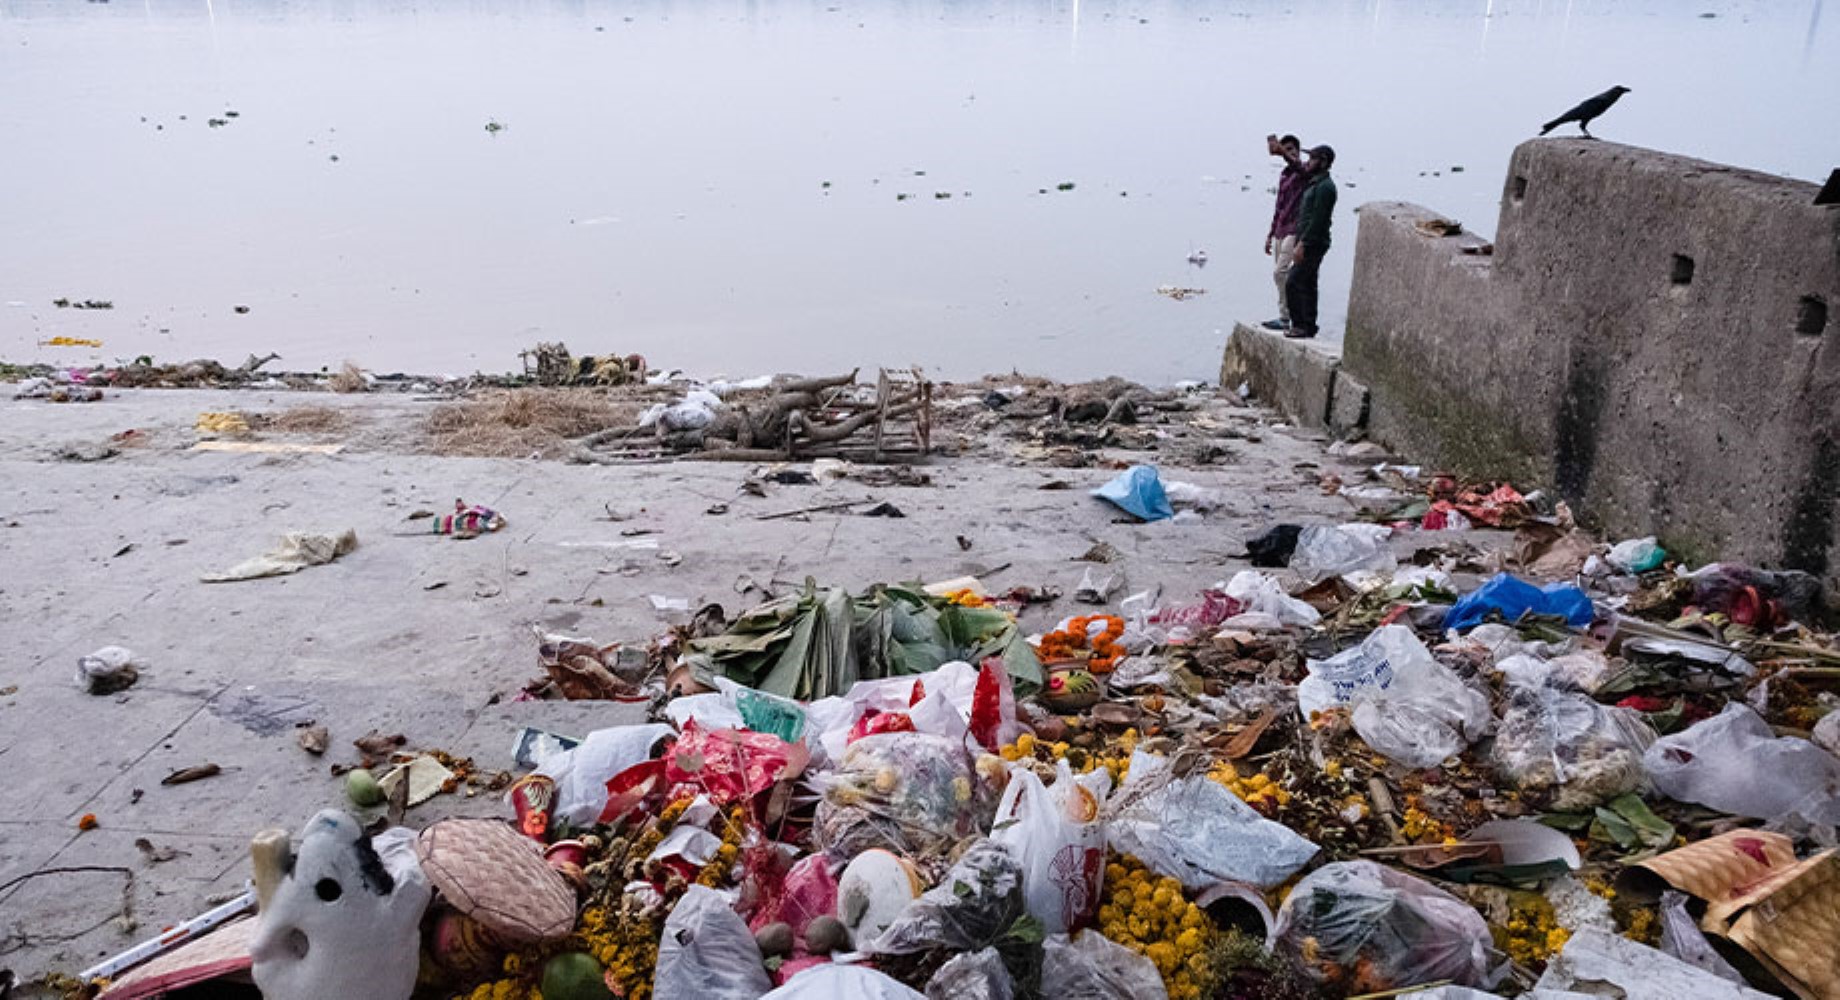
[{"x": 1300, "y": 289}]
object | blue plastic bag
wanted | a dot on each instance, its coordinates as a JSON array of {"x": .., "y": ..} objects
[
  {"x": 1514, "y": 597},
  {"x": 1138, "y": 492}
]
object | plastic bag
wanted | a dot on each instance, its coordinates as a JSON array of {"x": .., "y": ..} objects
[
  {"x": 806, "y": 890},
  {"x": 1055, "y": 834},
  {"x": 973, "y": 975},
  {"x": 730, "y": 765},
  {"x": 581, "y": 774},
  {"x": 707, "y": 952},
  {"x": 1139, "y": 492},
  {"x": 1195, "y": 830},
  {"x": 977, "y": 901},
  {"x": 1094, "y": 967},
  {"x": 1358, "y": 927},
  {"x": 831, "y": 981},
  {"x": 1512, "y": 597},
  {"x": 1213, "y": 608},
  {"x": 1559, "y": 742},
  {"x": 1681, "y": 938},
  {"x": 829, "y": 720},
  {"x": 1338, "y": 550},
  {"x": 910, "y": 793},
  {"x": 1636, "y": 555},
  {"x": 1826, "y": 734},
  {"x": 1613, "y": 965},
  {"x": 1407, "y": 706},
  {"x": 1274, "y": 546},
  {"x": 1734, "y": 762},
  {"x": 1199, "y": 498},
  {"x": 1260, "y": 594},
  {"x": 1755, "y": 597}
]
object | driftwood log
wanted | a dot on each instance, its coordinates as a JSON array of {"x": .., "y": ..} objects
[{"x": 811, "y": 418}]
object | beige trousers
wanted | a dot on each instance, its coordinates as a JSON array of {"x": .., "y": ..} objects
[{"x": 1282, "y": 252}]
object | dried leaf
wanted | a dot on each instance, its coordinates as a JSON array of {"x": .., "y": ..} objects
[
  {"x": 191, "y": 774},
  {"x": 313, "y": 739}
]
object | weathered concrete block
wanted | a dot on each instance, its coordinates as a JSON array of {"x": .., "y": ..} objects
[
  {"x": 1653, "y": 339},
  {"x": 1348, "y": 399},
  {"x": 1296, "y": 377}
]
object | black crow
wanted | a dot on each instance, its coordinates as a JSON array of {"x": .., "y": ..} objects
[{"x": 1583, "y": 113}]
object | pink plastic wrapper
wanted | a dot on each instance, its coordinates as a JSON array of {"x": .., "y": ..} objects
[
  {"x": 731, "y": 765},
  {"x": 1215, "y": 607}
]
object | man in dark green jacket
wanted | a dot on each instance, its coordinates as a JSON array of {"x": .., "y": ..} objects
[{"x": 1313, "y": 217}]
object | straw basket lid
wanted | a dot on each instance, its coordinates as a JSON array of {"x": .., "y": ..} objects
[{"x": 497, "y": 876}]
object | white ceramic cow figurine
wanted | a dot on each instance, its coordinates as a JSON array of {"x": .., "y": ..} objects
[{"x": 340, "y": 916}]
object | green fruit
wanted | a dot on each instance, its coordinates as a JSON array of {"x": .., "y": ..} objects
[
  {"x": 574, "y": 975},
  {"x": 362, "y": 788}
]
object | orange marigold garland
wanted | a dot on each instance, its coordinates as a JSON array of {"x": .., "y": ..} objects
[{"x": 1079, "y": 640}]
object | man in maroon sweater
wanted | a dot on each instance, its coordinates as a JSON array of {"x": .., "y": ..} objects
[{"x": 1281, "y": 238}]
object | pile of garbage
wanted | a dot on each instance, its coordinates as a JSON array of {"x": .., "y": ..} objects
[{"x": 1332, "y": 776}]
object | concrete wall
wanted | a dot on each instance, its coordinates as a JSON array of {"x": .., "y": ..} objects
[{"x": 1647, "y": 339}]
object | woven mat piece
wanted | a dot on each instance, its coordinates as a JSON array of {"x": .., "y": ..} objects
[
  {"x": 490, "y": 872},
  {"x": 222, "y": 952},
  {"x": 1712, "y": 868},
  {"x": 1793, "y": 930}
]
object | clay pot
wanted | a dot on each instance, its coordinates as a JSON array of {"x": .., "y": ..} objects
[
  {"x": 1070, "y": 689},
  {"x": 462, "y": 946}
]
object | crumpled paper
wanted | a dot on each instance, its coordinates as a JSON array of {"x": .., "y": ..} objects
[{"x": 296, "y": 552}]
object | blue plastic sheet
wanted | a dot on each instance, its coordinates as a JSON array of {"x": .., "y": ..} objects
[
  {"x": 1139, "y": 492},
  {"x": 1513, "y": 597}
]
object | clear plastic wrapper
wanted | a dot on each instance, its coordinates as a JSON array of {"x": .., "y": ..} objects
[
  {"x": 1560, "y": 743},
  {"x": 1682, "y": 939},
  {"x": 980, "y": 897},
  {"x": 1407, "y": 706},
  {"x": 973, "y": 975},
  {"x": 911, "y": 793},
  {"x": 1336, "y": 550},
  {"x": 1195, "y": 830},
  {"x": 1094, "y": 967},
  {"x": 1359, "y": 927}
]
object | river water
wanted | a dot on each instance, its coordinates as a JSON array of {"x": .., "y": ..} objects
[{"x": 747, "y": 187}]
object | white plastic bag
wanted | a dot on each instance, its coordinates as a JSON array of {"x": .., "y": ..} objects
[
  {"x": 1826, "y": 733},
  {"x": 707, "y": 952},
  {"x": 1734, "y": 763},
  {"x": 1325, "y": 550},
  {"x": 831, "y": 981},
  {"x": 972, "y": 975},
  {"x": 1407, "y": 706},
  {"x": 1062, "y": 858},
  {"x": 1613, "y": 965},
  {"x": 581, "y": 774},
  {"x": 1196, "y": 831},
  {"x": 1094, "y": 967},
  {"x": 1262, "y": 595}
]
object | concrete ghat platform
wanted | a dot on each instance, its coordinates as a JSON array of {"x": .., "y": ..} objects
[{"x": 1303, "y": 379}]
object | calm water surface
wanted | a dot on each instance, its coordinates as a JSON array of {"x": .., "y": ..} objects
[{"x": 718, "y": 185}]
